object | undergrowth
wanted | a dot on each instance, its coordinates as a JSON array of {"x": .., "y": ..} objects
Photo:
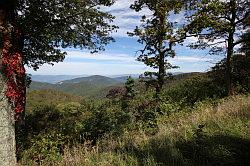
[{"x": 208, "y": 133}]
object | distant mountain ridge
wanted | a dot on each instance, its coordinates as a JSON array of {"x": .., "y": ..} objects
[
  {"x": 53, "y": 79},
  {"x": 95, "y": 79},
  {"x": 92, "y": 86}
]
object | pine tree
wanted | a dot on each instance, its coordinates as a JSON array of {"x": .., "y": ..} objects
[{"x": 130, "y": 88}]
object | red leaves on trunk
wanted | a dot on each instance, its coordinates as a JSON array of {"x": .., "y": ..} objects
[{"x": 15, "y": 72}]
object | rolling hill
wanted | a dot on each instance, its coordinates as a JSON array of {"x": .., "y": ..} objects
[
  {"x": 96, "y": 86},
  {"x": 95, "y": 80},
  {"x": 92, "y": 86}
]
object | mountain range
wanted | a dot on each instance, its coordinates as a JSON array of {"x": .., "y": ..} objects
[
  {"x": 88, "y": 86},
  {"x": 92, "y": 86},
  {"x": 53, "y": 79}
]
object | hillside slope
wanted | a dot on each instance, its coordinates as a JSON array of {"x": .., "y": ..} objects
[
  {"x": 38, "y": 98},
  {"x": 207, "y": 135}
]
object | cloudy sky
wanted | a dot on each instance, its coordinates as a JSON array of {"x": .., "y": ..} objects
[{"x": 119, "y": 57}]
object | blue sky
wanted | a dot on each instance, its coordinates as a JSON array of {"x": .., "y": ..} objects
[{"x": 119, "y": 57}]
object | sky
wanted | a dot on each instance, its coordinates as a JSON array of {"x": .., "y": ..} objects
[{"x": 120, "y": 57}]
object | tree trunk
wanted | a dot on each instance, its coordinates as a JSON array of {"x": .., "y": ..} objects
[
  {"x": 7, "y": 113},
  {"x": 230, "y": 89},
  {"x": 230, "y": 49},
  {"x": 161, "y": 60},
  {"x": 7, "y": 128},
  {"x": 161, "y": 73}
]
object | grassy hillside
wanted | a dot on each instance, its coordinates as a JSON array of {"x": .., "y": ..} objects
[
  {"x": 207, "y": 135},
  {"x": 189, "y": 123}
]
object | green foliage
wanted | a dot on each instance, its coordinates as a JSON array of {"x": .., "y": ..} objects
[
  {"x": 45, "y": 147},
  {"x": 130, "y": 87},
  {"x": 183, "y": 128},
  {"x": 246, "y": 40},
  {"x": 71, "y": 23},
  {"x": 216, "y": 23},
  {"x": 103, "y": 121},
  {"x": 192, "y": 90},
  {"x": 49, "y": 129},
  {"x": 240, "y": 73},
  {"x": 156, "y": 33},
  {"x": 38, "y": 98}
]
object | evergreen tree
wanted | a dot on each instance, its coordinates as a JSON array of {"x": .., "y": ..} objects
[
  {"x": 130, "y": 88},
  {"x": 129, "y": 93}
]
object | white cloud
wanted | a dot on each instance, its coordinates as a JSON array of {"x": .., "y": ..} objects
[
  {"x": 125, "y": 58},
  {"x": 100, "y": 56},
  {"x": 190, "y": 59},
  {"x": 83, "y": 68},
  {"x": 106, "y": 63},
  {"x": 114, "y": 64},
  {"x": 126, "y": 18}
]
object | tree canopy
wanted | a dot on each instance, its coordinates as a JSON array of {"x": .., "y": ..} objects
[
  {"x": 157, "y": 35},
  {"x": 219, "y": 25},
  {"x": 47, "y": 26}
]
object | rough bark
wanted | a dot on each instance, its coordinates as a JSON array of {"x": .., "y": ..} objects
[
  {"x": 7, "y": 121},
  {"x": 161, "y": 73},
  {"x": 7, "y": 129}
]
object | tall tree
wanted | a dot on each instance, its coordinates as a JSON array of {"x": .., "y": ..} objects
[
  {"x": 157, "y": 35},
  {"x": 217, "y": 23},
  {"x": 32, "y": 33}
]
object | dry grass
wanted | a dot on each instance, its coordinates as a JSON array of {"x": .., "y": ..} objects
[{"x": 229, "y": 109}]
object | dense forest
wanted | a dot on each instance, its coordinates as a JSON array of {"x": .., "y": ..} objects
[{"x": 158, "y": 118}]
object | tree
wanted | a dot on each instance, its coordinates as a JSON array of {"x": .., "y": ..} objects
[
  {"x": 240, "y": 65},
  {"x": 130, "y": 88},
  {"x": 217, "y": 23},
  {"x": 157, "y": 35},
  {"x": 129, "y": 93},
  {"x": 32, "y": 33}
]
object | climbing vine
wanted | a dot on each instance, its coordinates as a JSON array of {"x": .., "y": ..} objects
[{"x": 13, "y": 69}]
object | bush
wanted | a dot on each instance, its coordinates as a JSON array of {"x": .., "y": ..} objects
[
  {"x": 50, "y": 128},
  {"x": 102, "y": 121}
]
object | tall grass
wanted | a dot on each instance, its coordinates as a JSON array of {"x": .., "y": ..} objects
[{"x": 210, "y": 134}]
